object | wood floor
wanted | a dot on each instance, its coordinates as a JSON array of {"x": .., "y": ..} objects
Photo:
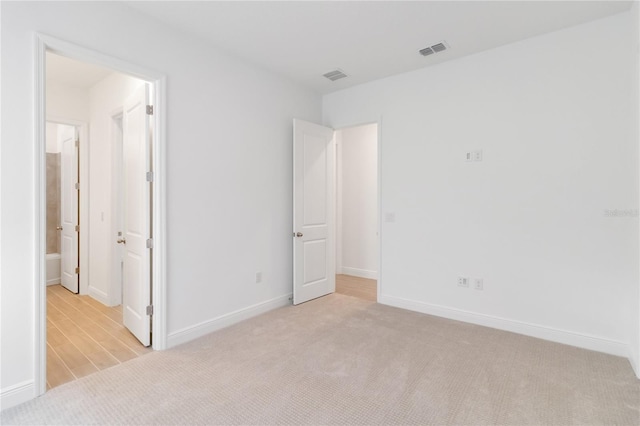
[
  {"x": 84, "y": 336},
  {"x": 361, "y": 288}
]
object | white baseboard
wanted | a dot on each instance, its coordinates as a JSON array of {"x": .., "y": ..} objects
[
  {"x": 17, "y": 394},
  {"x": 193, "y": 332},
  {"x": 633, "y": 360},
  {"x": 552, "y": 334},
  {"x": 362, "y": 273},
  {"x": 99, "y": 295},
  {"x": 53, "y": 281}
]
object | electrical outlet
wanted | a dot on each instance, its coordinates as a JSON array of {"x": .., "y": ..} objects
[
  {"x": 478, "y": 284},
  {"x": 258, "y": 277},
  {"x": 463, "y": 282},
  {"x": 477, "y": 155}
]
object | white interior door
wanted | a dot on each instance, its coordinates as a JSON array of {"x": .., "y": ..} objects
[
  {"x": 136, "y": 148},
  {"x": 67, "y": 137},
  {"x": 313, "y": 211}
]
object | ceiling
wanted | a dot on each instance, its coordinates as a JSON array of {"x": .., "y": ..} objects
[
  {"x": 367, "y": 40},
  {"x": 72, "y": 73}
]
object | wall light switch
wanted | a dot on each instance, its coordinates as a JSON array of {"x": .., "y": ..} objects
[
  {"x": 478, "y": 284},
  {"x": 471, "y": 156}
]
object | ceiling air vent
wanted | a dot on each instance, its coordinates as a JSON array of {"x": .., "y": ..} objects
[
  {"x": 436, "y": 48},
  {"x": 335, "y": 75},
  {"x": 427, "y": 51},
  {"x": 439, "y": 47}
]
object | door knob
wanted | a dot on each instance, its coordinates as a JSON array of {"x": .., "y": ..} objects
[
  {"x": 121, "y": 241},
  {"x": 299, "y": 234},
  {"x": 59, "y": 228}
]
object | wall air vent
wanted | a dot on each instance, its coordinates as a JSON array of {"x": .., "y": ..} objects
[
  {"x": 335, "y": 75},
  {"x": 436, "y": 48}
]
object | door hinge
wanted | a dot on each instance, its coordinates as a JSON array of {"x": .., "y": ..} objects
[
  {"x": 150, "y": 243},
  {"x": 77, "y": 228},
  {"x": 77, "y": 185},
  {"x": 77, "y": 143},
  {"x": 149, "y": 176},
  {"x": 150, "y": 310},
  {"x": 77, "y": 270},
  {"x": 149, "y": 109}
]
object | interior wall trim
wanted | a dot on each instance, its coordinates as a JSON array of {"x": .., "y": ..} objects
[
  {"x": 17, "y": 394},
  {"x": 198, "y": 330},
  {"x": 579, "y": 340}
]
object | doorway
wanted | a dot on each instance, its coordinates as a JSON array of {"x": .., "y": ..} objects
[
  {"x": 87, "y": 328},
  {"x": 335, "y": 209},
  {"x": 62, "y": 205},
  {"x": 357, "y": 252},
  {"x": 90, "y": 324}
]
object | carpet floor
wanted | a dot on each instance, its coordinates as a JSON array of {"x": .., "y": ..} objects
[{"x": 342, "y": 360}]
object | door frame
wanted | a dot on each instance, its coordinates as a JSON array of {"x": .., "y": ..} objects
[
  {"x": 335, "y": 128},
  {"x": 44, "y": 43}
]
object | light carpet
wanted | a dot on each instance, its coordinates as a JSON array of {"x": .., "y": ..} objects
[{"x": 342, "y": 360}]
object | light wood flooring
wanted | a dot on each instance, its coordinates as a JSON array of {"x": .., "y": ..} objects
[
  {"x": 361, "y": 288},
  {"x": 84, "y": 336}
]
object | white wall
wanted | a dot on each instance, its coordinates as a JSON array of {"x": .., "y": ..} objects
[
  {"x": 229, "y": 177},
  {"x": 66, "y": 102},
  {"x": 358, "y": 201},
  {"x": 554, "y": 116},
  {"x": 105, "y": 99},
  {"x": 51, "y": 136}
]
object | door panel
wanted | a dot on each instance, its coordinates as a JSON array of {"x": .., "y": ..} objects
[
  {"x": 315, "y": 260},
  {"x": 136, "y": 146},
  {"x": 313, "y": 211},
  {"x": 315, "y": 180},
  {"x": 67, "y": 136}
]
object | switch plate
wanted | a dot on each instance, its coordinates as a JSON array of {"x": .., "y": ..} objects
[
  {"x": 478, "y": 283},
  {"x": 258, "y": 277},
  {"x": 390, "y": 217},
  {"x": 472, "y": 156},
  {"x": 463, "y": 282}
]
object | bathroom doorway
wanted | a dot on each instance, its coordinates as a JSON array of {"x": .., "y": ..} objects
[{"x": 63, "y": 227}]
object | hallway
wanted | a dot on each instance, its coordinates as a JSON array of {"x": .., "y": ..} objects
[
  {"x": 361, "y": 288},
  {"x": 84, "y": 336}
]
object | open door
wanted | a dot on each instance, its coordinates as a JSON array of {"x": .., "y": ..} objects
[
  {"x": 67, "y": 138},
  {"x": 136, "y": 149},
  {"x": 313, "y": 211}
]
